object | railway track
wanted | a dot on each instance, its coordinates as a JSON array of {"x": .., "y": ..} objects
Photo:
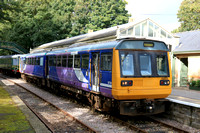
[
  {"x": 141, "y": 124},
  {"x": 148, "y": 124},
  {"x": 45, "y": 121}
]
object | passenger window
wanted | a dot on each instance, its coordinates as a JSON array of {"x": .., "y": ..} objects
[
  {"x": 85, "y": 61},
  {"x": 64, "y": 61},
  {"x": 162, "y": 65},
  {"x": 145, "y": 65},
  {"x": 30, "y": 61},
  {"x": 54, "y": 61},
  {"x": 38, "y": 60},
  {"x": 70, "y": 61},
  {"x": 58, "y": 61},
  {"x": 106, "y": 61},
  {"x": 41, "y": 61},
  {"x": 50, "y": 60},
  {"x": 77, "y": 61}
]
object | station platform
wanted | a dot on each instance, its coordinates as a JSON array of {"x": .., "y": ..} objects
[
  {"x": 185, "y": 96},
  {"x": 15, "y": 115}
]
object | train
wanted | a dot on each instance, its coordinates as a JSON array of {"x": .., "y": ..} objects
[
  {"x": 128, "y": 75},
  {"x": 9, "y": 64}
]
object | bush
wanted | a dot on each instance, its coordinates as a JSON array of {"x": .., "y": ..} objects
[
  {"x": 192, "y": 83},
  {"x": 197, "y": 83}
]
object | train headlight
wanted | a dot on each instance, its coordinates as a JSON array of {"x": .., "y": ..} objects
[
  {"x": 127, "y": 83},
  {"x": 164, "y": 82}
]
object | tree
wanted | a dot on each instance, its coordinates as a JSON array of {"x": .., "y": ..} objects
[
  {"x": 189, "y": 15},
  {"x": 98, "y": 14},
  {"x": 40, "y": 22},
  {"x": 43, "y": 21},
  {"x": 7, "y": 6}
]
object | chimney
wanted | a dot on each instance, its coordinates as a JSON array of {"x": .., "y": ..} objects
[
  {"x": 90, "y": 31},
  {"x": 131, "y": 20}
]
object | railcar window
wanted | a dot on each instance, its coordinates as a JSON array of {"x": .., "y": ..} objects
[
  {"x": 30, "y": 61},
  {"x": 50, "y": 60},
  {"x": 58, "y": 61},
  {"x": 33, "y": 61},
  {"x": 127, "y": 64},
  {"x": 162, "y": 65},
  {"x": 85, "y": 61},
  {"x": 106, "y": 61},
  {"x": 145, "y": 65},
  {"x": 64, "y": 61},
  {"x": 54, "y": 61},
  {"x": 70, "y": 61},
  {"x": 77, "y": 63},
  {"x": 38, "y": 61},
  {"x": 41, "y": 61}
]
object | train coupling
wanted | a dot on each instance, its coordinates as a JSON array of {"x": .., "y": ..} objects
[{"x": 142, "y": 107}]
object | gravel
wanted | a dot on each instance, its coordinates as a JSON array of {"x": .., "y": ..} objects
[{"x": 94, "y": 120}]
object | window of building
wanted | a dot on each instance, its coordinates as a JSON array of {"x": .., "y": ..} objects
[
  {"x": 106, "y": 61},
  {"x": 85, "y": 61},
  {"x": 150, "y": 33},
  {"x": 137, "y": 30}
]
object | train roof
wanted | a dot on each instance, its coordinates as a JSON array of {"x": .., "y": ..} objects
[
  {"x": 34, "y": 54},
  {"x": 98, "y": 46},
  {"x": 158, "y": 45},
  {"x": 10, "y": 56}
]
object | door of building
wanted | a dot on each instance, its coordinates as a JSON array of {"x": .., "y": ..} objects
[{"x": 184, "y": 72}]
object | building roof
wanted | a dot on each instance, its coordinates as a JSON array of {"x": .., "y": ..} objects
[
  {"x": 145, "y": 28},
  {"x": 189, "y": 42}
]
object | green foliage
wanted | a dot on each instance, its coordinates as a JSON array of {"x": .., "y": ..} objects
[
  {"x": 7, "y": 6},
  {"x": 193, "y": 83},
  {"x": 43, "y": 21},
  {"x": 188, "y": 15},
  {"x": 197, "y": 83}
]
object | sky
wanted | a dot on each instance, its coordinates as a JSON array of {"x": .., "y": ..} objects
[{"x": 163, "y": 12}]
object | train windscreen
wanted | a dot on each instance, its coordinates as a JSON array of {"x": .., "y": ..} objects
[{"x": 143, "y": 63}]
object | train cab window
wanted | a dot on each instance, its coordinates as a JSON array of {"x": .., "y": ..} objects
[
  {"x": 127, "y": 64},
  {"x": 106, "y": 61},
  {"x": 70, "y": 61},
  {"x": 64, "y": 61},
  {"x": 58, "y": 61},
  {"x": 41, "y": 61},
  {"x": 77, "y": 63},
  {"x": 85, "y": 61},
  {"x": 145, "y": 64},
  {"x": 161, "y": 61}
]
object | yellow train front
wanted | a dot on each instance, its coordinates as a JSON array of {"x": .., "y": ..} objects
[{"x": 141, "y": 76}]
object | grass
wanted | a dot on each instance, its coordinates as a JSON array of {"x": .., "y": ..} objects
[{"x": 11, "y": 118}]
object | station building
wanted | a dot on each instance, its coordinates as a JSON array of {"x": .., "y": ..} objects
[{"x": 187, "y": 58}]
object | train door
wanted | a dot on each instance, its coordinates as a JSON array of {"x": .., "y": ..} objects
[
  {"x": 47, "y": 66},
  {"x": 95, "y": 71}
]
